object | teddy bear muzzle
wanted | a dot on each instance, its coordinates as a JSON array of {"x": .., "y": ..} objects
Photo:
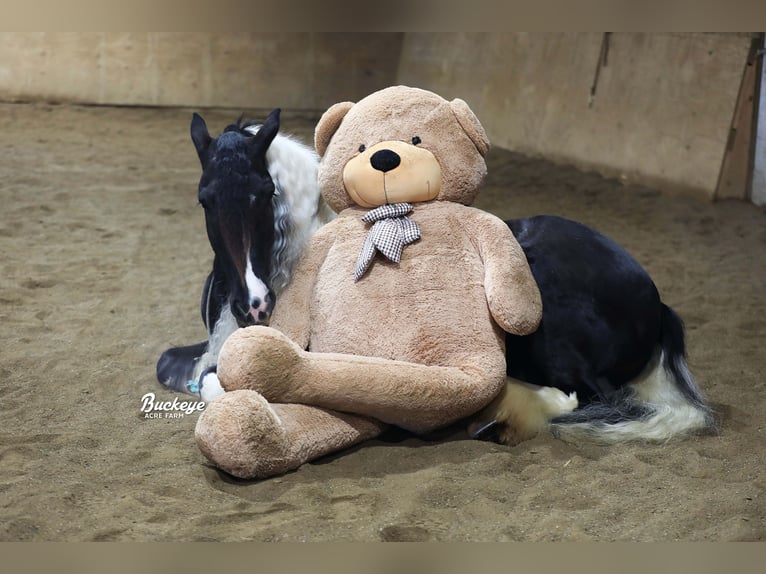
[{"x": 392, "y": 172}]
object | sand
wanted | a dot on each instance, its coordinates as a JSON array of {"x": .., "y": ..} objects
[{"x": 103, "y": 258}]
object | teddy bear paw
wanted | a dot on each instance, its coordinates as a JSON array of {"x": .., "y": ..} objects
[{"x": 260, "y": 359}]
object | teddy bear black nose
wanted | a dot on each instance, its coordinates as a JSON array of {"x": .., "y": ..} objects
[{"x": 385, "y": 160}]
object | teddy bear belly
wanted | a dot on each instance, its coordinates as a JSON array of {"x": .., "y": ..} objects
[{"x": 438, "y": 316}]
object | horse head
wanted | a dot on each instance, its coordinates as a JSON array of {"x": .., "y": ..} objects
[{"x": 236, "y": 192}]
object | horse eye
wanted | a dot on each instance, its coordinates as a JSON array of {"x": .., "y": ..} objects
[
  {"x": 362, "y": 148},
  {"x": 415, "y": 140}
]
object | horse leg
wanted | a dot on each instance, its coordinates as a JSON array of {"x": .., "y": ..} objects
[
  {"x": 175, "y": 368},
  {"x": 246, "y": 436},
  {"x": 520, "y": 412},
  {"x": 179, "y": 368}
]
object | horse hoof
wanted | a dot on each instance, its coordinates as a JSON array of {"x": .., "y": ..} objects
[{"x": 484, "y": 431}]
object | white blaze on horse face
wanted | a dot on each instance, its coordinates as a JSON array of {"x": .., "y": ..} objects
[{"x": 257, "y": 291}]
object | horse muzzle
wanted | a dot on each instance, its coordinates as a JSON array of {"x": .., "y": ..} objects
[
  {"x": 255, "y": 312},
  {"x": 260, "y": 310}
]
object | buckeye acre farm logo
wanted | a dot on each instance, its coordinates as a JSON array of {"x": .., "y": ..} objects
[{"x": 175, "y": 409}]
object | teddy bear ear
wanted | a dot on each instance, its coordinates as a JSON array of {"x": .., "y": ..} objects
[
  {"x": 471, "y": 125},
  {"x": 328, "y": 125}
]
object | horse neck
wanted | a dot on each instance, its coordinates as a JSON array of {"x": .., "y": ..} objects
[{"x": 298, "y": 209}]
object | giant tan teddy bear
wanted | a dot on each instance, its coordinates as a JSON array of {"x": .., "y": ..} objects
[{"x": 396, "y": 311}]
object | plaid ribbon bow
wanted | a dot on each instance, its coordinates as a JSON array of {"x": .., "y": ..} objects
[{"x": 390, "y": 232}]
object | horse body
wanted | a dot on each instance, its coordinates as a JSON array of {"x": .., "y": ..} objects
[
  {"x": 605, "y": 338},
  {"x": 605, "y": 335},
  {"x": 602, "y": 310}
]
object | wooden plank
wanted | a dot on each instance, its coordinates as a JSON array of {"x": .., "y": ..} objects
[
  {"x": 737, "y": 165},
  {"x": 660, "y": 118},
  {"x": 758, "y": 183}
]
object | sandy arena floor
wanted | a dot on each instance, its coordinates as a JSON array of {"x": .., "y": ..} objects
[{"x": 103, "y": 259}]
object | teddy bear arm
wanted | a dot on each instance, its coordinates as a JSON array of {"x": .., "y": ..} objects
[
  {"x": 291, "y": 313},
  {"x": 512, "y": 293}
]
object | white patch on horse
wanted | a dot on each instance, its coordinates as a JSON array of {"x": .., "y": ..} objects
[
  {"x": 210, "y": 388},
  {"x": 671, "y": 413},
  {"x": 257, "y": 291},
  {"x": 555, "y": 402}
]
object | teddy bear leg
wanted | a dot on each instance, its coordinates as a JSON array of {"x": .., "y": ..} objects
[
  {"x": 414, "y": 396},
  {"x": 244, "y": 435},
  {"x": 521, "y": 411}
]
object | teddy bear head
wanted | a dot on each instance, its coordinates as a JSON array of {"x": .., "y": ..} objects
[{"x": 400, "y": 144}]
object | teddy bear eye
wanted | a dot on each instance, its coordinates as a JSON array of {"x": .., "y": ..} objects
[
  {"x": 415, "y": 140},
  {"x": 362, "y": 148}
]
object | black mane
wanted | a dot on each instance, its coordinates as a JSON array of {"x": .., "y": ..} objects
[{"x": 241, "y": 127}]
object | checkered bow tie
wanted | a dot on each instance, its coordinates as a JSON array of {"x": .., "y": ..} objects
[{"x": 390, "y": 232}]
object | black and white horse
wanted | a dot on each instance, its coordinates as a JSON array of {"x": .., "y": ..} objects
[
  {"x": 261, "y": 200},
  {"x": 606, "y": 342}
]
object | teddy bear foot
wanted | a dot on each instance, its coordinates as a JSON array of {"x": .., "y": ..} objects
[{"x": 244, "y": 435}]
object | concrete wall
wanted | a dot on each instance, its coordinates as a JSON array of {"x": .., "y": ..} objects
[
  {"x": 661, "y": 113},
  {"x": 241, "y": 70}
]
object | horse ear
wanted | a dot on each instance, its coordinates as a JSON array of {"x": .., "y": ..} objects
[
  {"x": 268, "y": 131},
  {"x": 200, "y": 136},
  {"x": 329, "y": 124}
]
